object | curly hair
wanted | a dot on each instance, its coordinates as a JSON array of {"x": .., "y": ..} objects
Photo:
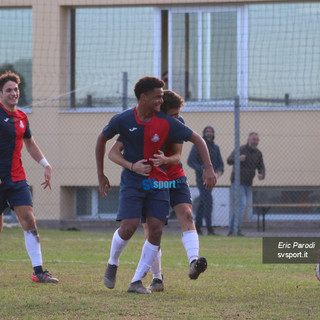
[
  {"x": 8, "y": 76},
  {"x": 146, "y": 84},
  {"x": 171, "y": 100}
]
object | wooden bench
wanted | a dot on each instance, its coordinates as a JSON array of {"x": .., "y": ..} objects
[{"x": 263, "y": 209}]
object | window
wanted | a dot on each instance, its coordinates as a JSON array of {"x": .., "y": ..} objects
[
  {"x": 16, "y": 48},
  {"x": 90, "y": 204},
  {"x": 196, "y": 50},
  {"x": 284, "y": 54},
  {"x": 111, "y": 48},
  {"x": 267, "y": 54},
  {"x": 84, "y": 205},
  {"x": 203, "y": 54}
]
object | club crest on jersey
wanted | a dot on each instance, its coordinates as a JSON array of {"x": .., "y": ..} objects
[
  {"x": 155, "y": 138},
  {"x": 21, "y": 124}
]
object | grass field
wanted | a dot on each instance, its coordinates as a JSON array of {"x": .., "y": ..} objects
[{"x": 236, "y": 285}]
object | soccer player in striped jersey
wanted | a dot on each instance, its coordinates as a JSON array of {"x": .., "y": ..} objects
[
  {"x": 180, "y": 196},
  {"x": 144, "y": 130},
  {"x": 14, "y": 189}
]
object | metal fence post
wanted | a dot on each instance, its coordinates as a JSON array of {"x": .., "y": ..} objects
[
  {"x": 236, "y": 164},
  {"x": 125, "y": 90}
]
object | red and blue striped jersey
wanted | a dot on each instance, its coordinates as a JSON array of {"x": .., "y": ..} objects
[
  {"x": 14, "y": 127},
  {"x": 173, "y": 171},
  {"x": 141, "y": 140}
]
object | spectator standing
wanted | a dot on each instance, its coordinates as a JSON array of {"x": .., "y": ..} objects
[
  {"x": 251, "y": 159},
  {"x": 204, "y": 208}
]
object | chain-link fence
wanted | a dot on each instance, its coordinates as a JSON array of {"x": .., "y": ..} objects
[{"x": 79, "y": 66}]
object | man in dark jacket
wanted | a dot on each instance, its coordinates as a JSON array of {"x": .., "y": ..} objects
[
  {"x": 250, "y": 160},
  {"x": 204, "y": 208}
]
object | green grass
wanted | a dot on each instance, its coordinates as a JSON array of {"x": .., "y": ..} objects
[{"x": 236, "y": 285}]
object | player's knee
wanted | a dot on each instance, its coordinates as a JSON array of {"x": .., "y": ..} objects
[
  {"x": 155, "y": 236},
  {"x": 127, "y": 230},
  {"x": 28, "y": 223},
  {"x": 187, "y": 215},
  {"x": 126, "y": 234}
]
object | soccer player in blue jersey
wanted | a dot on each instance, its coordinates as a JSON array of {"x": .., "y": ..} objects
[
  {"x": 144, "y": 131},
  {"x": 14, "y": 189},
  {"x": 180, "y": 195}
]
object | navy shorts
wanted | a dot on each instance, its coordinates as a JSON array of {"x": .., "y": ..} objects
[
  {"x": 180, "y": 194},
  {"x": 135, "y": 200},
  {"x": 15, "y": 194}
]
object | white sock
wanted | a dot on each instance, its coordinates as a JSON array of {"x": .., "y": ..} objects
[
  {"x": 117, "y": 246},
  {"x": 31, "y": 238},
  {"x": 156, "y": 266},
  {"x": 149, "y": 252},
  {"x": 190, "y": 240}
]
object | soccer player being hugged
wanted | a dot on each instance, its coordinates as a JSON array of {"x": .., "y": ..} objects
[
  {"x": 14, "y": 189},
  {"x": 143, "y": 130},
  {"x": 180, "y": 196}
]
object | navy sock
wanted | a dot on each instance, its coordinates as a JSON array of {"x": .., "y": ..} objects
[{"x": 37, "y": 269}]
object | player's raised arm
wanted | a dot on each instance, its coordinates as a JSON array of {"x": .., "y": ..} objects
[
  {"x": 100, "y": 152},
  {"x": 209, "y": 176}
]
